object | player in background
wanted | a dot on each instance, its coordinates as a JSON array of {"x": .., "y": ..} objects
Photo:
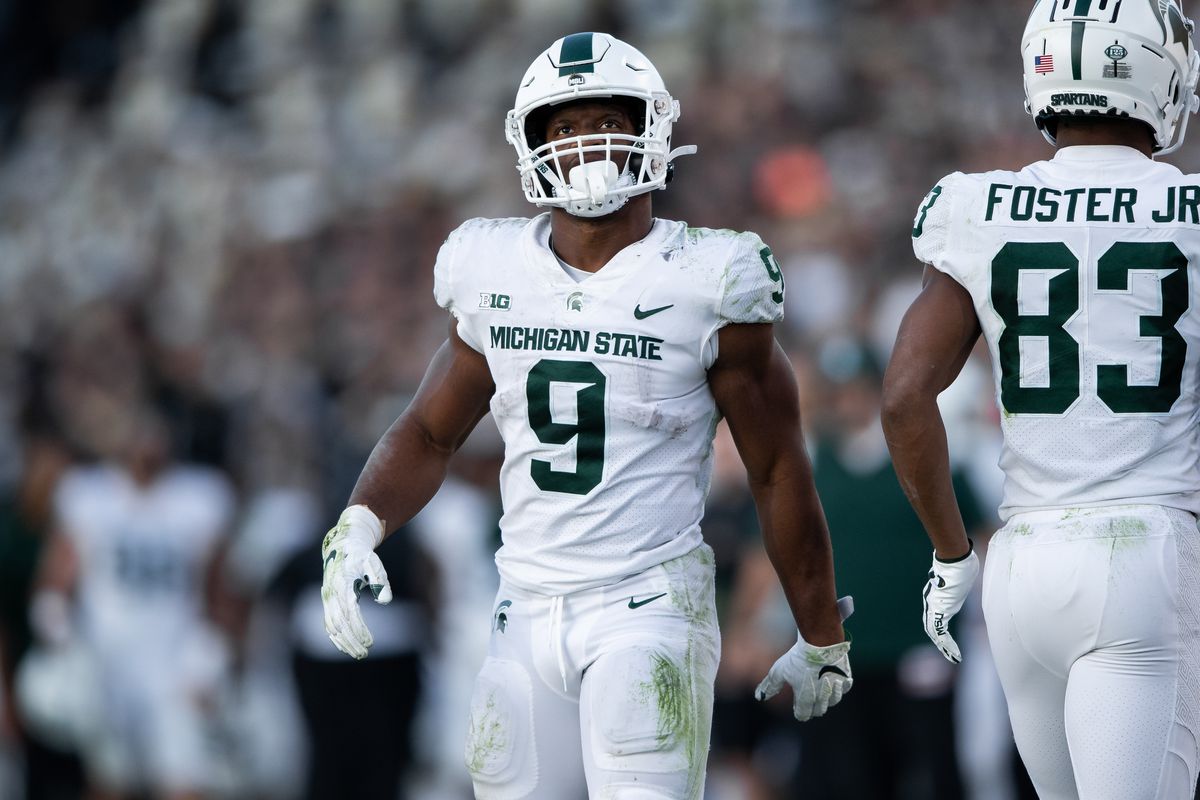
[
  {"x": 607, "y": 344},
  {"x": 1081, "y": 274},
  {"x": 128, "y": 574}
]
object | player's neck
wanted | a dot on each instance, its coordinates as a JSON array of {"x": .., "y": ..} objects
[
  {"x": 1125, "y": 133},
  {"x": 589, "y": 244}
]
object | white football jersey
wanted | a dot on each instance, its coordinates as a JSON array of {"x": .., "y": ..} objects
[
  {"x": 1083, "y": 272},
  {"x": 143, "y": 551},
  {"x": 601, "y": 391}
]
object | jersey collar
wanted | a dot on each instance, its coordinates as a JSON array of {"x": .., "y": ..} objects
[
  {"x": 1098, "y": 152},
  {"x": 537, "y": 248}
]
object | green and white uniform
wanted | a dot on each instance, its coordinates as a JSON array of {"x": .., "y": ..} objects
[
  {"x": 601, "y": 393},
  {"x": 604, "y": 643},
  {"x": 1083, "y": 272},
  {"x": 1092, "y": 315}
]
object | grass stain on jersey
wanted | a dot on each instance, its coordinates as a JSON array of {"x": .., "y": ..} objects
[
  {"x": 487, "y": 739},
  {"x": 697, "y": 607},
  {"x": 696, "y": 234}
]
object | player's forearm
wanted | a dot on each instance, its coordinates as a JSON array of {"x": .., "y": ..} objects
[
  {"x": 916, "y": 437},
  {"x": 797, "y": 542},
  {"x": 402, "y": 474}
]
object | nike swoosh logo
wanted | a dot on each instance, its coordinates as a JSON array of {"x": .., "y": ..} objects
[
  {"x": 328, "y": 558},
  {"x": 640, "y": 603},
  {"x": 831, "y": 668},
  {"x": 650, "y": 312}
]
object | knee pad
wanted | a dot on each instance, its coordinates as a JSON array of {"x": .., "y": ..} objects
[{"x": 499, "y": 751}]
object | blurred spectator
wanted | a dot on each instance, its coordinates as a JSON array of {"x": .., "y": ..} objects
[
  {"x": 902, "y": 720},
  {"x": 901, "y": 723}
]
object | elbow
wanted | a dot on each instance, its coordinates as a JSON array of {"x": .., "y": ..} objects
[{"x": 905, "y": 399}]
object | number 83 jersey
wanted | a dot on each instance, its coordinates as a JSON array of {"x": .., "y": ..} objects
[
  {"x": 601, "y": 392},
  {"x": 1082, "y": 270}
]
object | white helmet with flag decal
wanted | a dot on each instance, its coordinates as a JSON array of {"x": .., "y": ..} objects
[
  {"x": 1117, "y": 58},
  {"x": 592, "y": 66}
]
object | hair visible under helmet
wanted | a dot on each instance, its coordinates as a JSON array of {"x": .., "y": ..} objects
[
  {"x": 1111, "y": 58},
  {"x": 585, "y": 66}
]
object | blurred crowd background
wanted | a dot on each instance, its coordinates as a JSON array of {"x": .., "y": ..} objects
[{"x": 218, "y": 220}]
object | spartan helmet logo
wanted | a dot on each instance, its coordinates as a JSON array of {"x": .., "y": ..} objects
[{"x": 575, "y": 301}]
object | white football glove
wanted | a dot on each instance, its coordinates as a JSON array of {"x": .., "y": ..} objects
[
  {"x": 351, "y": 566},
  {"x": 819, "y": 676},
  {"x": 947, "y": 588}
]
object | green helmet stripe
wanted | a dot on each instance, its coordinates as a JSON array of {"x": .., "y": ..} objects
[
  {"x": 575, "y": 48},
  {"x": 1077, "y": 50}
]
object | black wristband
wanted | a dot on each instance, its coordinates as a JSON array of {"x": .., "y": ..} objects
[{"x": 963, "y": 557}]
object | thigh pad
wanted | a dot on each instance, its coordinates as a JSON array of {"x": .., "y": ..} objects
[{"x": 500, "y": 754}]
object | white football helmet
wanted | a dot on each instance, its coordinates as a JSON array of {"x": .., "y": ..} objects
[
  {"x": 578, "y": 67},
  {"x": 1111, "y": 58}
]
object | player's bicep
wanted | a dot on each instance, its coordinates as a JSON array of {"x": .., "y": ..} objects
[
  {"x": 754, "y": 386},
  {"x": 935, "y": 338},
  {"x": 453, "y": 395}
]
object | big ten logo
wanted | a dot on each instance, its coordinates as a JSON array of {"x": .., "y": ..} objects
[{"x": 500, "y": 302}]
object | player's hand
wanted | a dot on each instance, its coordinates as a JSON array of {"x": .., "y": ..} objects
[
  {"x": 948, "y": 586},
  {"x": 351, "y": 566},
  {"x": 819, "y": 676}
]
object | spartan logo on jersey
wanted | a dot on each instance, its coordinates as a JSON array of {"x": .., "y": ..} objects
[{"x": 575, "y": 301}]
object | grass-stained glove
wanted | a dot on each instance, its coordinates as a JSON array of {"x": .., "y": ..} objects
[
  {"x": 819, "y": 676},
  {"x": 947, "y": 588},
  {"x": 351, "y": 566}
]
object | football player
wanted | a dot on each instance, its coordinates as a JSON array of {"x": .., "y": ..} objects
[
  {"x": 125, "y": 579},
  {"x": 1081, "y": 273},
  {"x": 607, "y": 345}
]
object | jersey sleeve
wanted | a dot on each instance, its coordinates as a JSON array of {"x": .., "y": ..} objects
[
  {"x": 752, "y": 287},
  {"x": 931, "y": 225},
  {"x": 446, "y": 290}
]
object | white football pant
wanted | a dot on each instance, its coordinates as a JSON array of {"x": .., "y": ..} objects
[
  {"x": 1094, "y": 620},
  {"x": 612, "y": 686}
]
